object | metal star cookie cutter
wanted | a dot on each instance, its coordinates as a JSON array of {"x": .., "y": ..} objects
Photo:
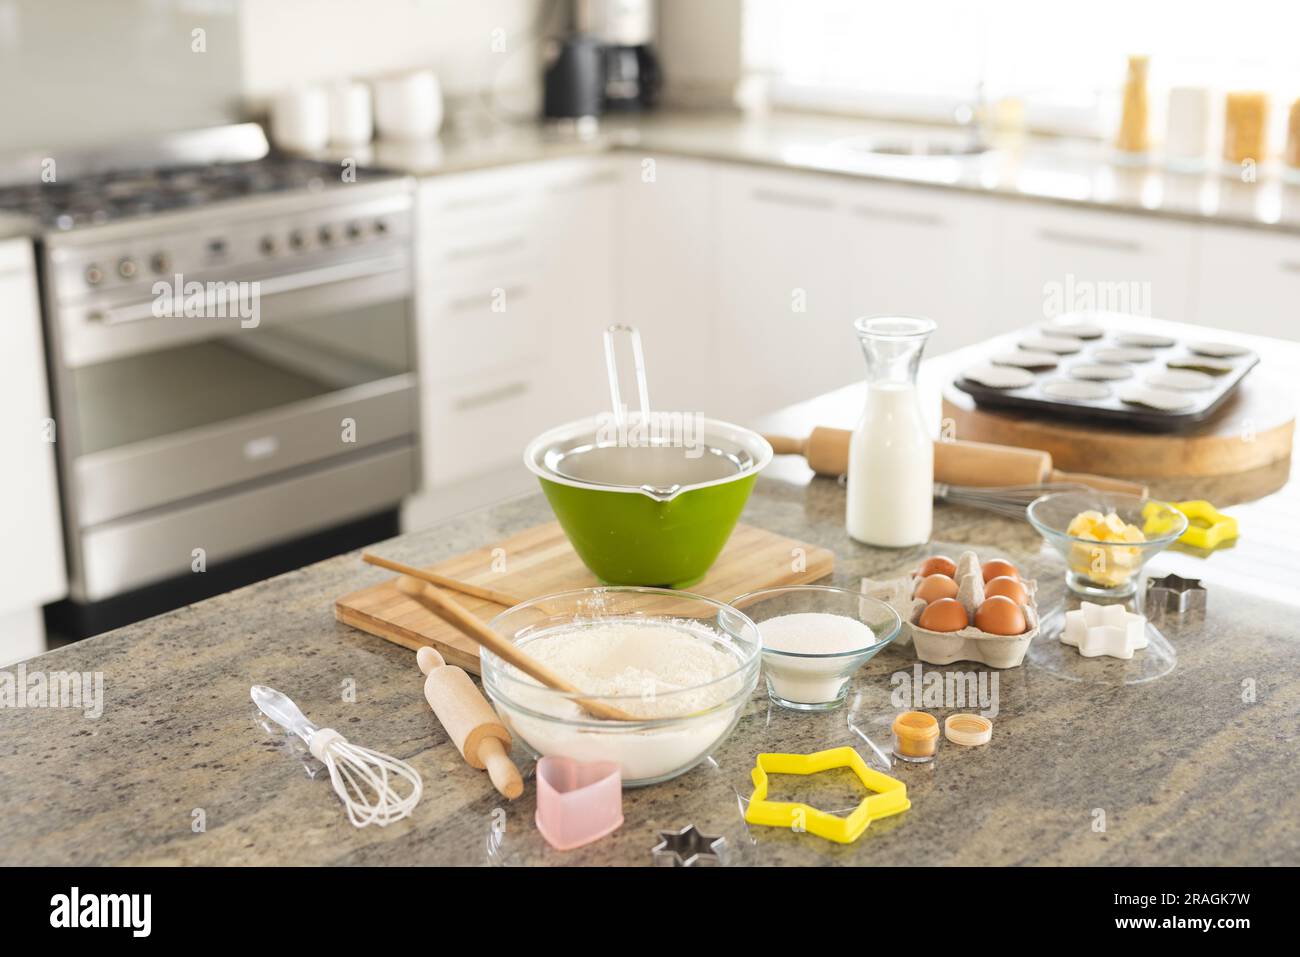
[
  {"x": 1175, "y": 593},
  {"x": 688, "y": 848},
  {"x": 889, "y": 795}
]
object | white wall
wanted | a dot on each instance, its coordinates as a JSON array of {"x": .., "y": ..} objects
[
  {"x": 94, "y": 72},
  {"x": 700, "y": 46},
  {"x": 289, "y": 42}
]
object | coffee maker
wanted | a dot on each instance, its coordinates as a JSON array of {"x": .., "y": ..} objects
[
  {"x": 625, "y": 29},
  {"x": 574, "y": 83}
]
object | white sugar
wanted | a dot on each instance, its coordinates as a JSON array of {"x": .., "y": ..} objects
[{"x": 815, "y": 633}]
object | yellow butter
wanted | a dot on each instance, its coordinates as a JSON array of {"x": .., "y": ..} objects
[{"x": 1104, "y": 562}]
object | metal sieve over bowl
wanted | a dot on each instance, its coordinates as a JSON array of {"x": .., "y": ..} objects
[{"x": 646, "y": 498}]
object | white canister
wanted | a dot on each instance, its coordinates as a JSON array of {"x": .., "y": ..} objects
[
  {"x": 351, "y": 118},
  {"x": 1187, "y": 134},
  {"x": 300, "y": 120},
  {"x": 408, "y": 107}
]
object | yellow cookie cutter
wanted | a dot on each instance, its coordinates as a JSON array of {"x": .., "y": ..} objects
[
  {"x": 889, "y": 797},
  {"x": 1207, "y": 527}
]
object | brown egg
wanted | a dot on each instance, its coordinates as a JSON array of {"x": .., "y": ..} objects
[
  {"x": 999, "y": 568},
  {"x": 933, "y": 587},
  {"x": 937, "y": 565},
  {"x": 1000, "y": 615},
  {"x": 945, "y": 614},
  {"x": 1008, "y": 586}
]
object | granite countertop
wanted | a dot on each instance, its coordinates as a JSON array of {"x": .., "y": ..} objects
[
  {"x": 1072, "y": 172},
  {"x": 1185, "y": 755}
]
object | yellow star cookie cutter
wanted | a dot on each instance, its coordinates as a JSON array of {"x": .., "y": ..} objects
[
  {"x": 889, "y": 795},
  {"x": 1207, "y": 527}
]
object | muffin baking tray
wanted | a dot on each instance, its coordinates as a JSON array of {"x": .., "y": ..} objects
[{"x": 1122, "y": 369}]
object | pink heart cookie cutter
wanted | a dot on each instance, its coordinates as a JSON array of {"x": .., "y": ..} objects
[{"x": 577, "y": 801}]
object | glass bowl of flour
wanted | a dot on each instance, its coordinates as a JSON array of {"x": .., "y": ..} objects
[
  {"x": 682, "y": 665},
  {"x": 814, "y": 638}
]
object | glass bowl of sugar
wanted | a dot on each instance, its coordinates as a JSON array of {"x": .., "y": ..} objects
[{"x": 814, "y": 638}]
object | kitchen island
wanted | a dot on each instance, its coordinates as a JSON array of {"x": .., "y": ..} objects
[{"x": 1186, "y": 755}]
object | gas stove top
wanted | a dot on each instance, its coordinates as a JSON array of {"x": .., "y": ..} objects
[{"x": 100, "y": 198}]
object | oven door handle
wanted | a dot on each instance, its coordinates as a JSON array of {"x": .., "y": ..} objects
[{"x": 309, "y": 278}]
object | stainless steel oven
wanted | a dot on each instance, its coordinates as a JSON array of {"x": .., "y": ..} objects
[{"x": 229, "y": 377}]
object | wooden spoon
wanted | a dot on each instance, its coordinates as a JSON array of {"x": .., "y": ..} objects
[
  {"x": 433, "y": 578},
  {"x": 454, "y": 613}
]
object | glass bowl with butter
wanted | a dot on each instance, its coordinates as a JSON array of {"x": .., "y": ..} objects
[{"x": 1105, "y": 537}]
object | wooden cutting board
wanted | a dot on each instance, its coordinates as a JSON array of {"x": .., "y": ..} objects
[
  {"x": 540, "y": 561},
  {"x": 1253, "y": 429}
]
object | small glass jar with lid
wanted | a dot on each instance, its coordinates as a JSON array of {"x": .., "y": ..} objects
[{"x": 916, "y": 737}]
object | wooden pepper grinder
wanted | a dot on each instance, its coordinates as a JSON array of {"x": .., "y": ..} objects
[{"x": 470, "y": 722}]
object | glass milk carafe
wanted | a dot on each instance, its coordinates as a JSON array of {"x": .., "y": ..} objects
[{"x": 891, "y": 455}]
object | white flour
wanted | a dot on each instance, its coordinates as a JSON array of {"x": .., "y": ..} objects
[
  {"x": 643, "y": 660},
  {"x": 648, "y": 661}
]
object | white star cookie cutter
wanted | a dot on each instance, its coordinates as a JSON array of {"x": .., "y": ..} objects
[{"x": 1104, "y": 630}]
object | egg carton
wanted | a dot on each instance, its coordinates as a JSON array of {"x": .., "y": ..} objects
[{"x": 969, "y": 643}]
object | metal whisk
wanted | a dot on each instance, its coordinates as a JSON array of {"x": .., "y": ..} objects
[{"x": 1009, "y": 500}]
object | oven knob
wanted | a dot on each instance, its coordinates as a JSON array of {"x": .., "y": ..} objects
[
  {"x": 381, "y": 227},
  {"x": 297, "y": 240},
  {"x": 267, "y": 245},
  {"x": 354, "y": 231},
  {"x": 126, "y": 268},
  {"x": 160, "y": 262},
  {"x": 326, "y": 235},
  {"x": 94, "y": 275}
]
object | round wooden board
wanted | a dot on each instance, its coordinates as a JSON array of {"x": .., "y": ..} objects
[{"x": 1252, "y": 430}]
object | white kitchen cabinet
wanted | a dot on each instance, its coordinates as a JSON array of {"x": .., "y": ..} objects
[
  {"x": 922, "y": 252},
  {"x": 784, "y": 329},
  {"x": 668, "y": 284},
  {"x": 515, "y": 281},
  {"x": 1249, "y": 281},
  {"x": 581, "y": 243},
  {"x": 1053, "y": 259},
  {"x": 482, "y": 423},
  {"x": 31, "y": 553},
  {"x": 744, "y": 282}
]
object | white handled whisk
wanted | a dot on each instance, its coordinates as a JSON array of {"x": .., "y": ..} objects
[{"x": 362, "y": 778}]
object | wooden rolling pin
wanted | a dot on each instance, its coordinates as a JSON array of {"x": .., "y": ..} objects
[
  {"x": 976, "y": 464},
  {"x": 470, "y": 722}
]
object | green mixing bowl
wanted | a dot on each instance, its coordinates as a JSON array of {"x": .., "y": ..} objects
[{"x": 656, "y": 514}]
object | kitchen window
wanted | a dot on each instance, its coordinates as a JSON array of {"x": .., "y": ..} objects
[{"x": 1061, "y": 63}]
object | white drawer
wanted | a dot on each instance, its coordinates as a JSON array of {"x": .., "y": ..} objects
[
  {"x": 486, "y": 260},
  {"x": 476, "y": 192},
  {"x": 487, "y": 202},
  {"x": 1062, "y": 260},
  {"x": 1249, "y": 281},
  {"x": 476, "y": 328},
  {"x": 476, "y": 425}
]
